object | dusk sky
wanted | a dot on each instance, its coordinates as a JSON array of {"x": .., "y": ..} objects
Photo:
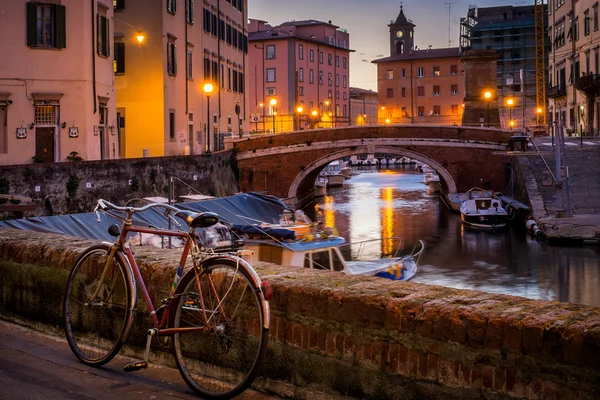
[{"x": 367, "y": 23}]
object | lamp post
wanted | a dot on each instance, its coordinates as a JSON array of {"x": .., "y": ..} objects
[
  {"x": 328, "y": 113},
  {"x": 273, "y": 103},
  {"x": 299, "y": 110},
  {"x": 208, "y": 88},
  {"x": 510, "y": 103},
  {"x": 314, "y": 118},
  {"x": 488, "y": 96}
]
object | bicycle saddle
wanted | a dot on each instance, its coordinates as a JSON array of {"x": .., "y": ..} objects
[{"x": 198, "y": 220}]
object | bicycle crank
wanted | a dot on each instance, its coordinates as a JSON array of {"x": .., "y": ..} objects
[{"x": 136, "y": 366}]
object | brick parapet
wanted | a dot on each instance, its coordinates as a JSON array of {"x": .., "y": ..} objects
[{"x": 461, "y": 340}]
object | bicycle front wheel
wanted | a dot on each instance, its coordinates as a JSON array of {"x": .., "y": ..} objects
[
  {"x": 221, "y": 353},
  {"x": 96, "y": 306}
]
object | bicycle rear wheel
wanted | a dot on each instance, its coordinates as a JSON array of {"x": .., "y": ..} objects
[
  {"x": 222, "y": 358},
  {"x": 96, "y": 306}
]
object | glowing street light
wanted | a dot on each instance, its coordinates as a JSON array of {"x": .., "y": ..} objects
[
  {"x": 488, "y": 96},
  {"x": 299, "y": 111},
  {"x": 273, "y": 103},
  {"x": 208, "y": 88},
  {"x": 510, "y": 103},
  {"x": 140, "y": 37}
]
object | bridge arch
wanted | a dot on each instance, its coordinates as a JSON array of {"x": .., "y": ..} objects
[{"x": 309, "y": 173}]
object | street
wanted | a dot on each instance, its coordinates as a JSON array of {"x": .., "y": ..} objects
[{"x": 34, "y": 365}]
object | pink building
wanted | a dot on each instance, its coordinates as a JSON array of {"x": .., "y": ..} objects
[{"x": 298, "y": 76}]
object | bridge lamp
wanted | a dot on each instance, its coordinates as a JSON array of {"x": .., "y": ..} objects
[
  {"x": 273, "y": 103},
  {"x": 510, "y": 103},
  {"x": 208, "y": 88},
  {"x": 488, "y": 96}
]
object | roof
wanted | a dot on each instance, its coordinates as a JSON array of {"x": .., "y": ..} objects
[
  {"x": 355, "y": 90},
  {"x": 272, "y": 34},
  {"x": 307, "y": 22},
  {"x": 402, "y": 20},
  {"x": 422, "y": 55}
]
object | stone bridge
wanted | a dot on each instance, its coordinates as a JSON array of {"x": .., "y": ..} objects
[{"x": 287, "y": 165}]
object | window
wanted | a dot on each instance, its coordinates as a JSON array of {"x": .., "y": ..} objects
[
  {"x": 215, "y": 72},
  {"x": 436, "y": 71},
  {"x": 329, "y": 94},
  {"x": 300, "y": 90},
  {"x": 235, "y": 82},
  {"x": 453, "y": 90},
  {"x": 311, "y": 76},
  {"x": 301, "y": 75},
  {"x": 271, "y": 52},
  {"x": 207, "y": 17},
  {"x": 222, "y": 74},
  {"x": 329, "y": 79},
  {"x": 421, "y": 91},
  {"x": 389, "y": 93},
  {"x": 118, "y": 5},
  {"x": 172, "y": 124},
  {"x": 345, "y": 82},
  {"x": 345, "y": 62},
  {"x": 221, "y": 29},
  {"x": 595, "y": 18},
  {"x": 320, "y": 57},
  {"x": 320, "y": 77},
  {"x": 228, "y": 33},
  {"x": 403, "y": 73},
  {"x": 228, "y": 78},
  {"x": 171, "y": 6},
  {"x": 436, "y": 90},
  {"x": 171, "y": 57},
  {"x": 301, "y": 52},
  {"x": 103, "y": 30},
  {"x": 189, "y": 11},
  {"x": 271, "y": 91},
  {"x": 206, "y": 69},
  {"x": 421, "y": 111},
  {"x": 213, "y": 24},
  {"x": 46, "y": 25},
  {"x": 420, "y": 72},
  {"x": 311, "y": 56},
  {"x": 454, "y": 109},
  {"x": 337, "y": 94},
  {"x": 337, "y": 61},
  {"x": 119, "y": 60},
  {"x": 189, "y": 64},
  {"x": 436, "y": 110},
  {"x": 345, "y": 96},
  {"x": 389, "y": 74},
  {"x": 329, "y": 59},
  {"x": 453, "y": 70},
  {"x": 337, "y": 80},
  {"x": 403, "y": 92},
  {"x": 270, "y": 74},
  {"x": 586, "y": 22},
  {"x": 3, "y": 134}
]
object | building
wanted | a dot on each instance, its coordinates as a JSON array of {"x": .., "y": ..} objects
[
  {"x": 418, "y": 86},
  {"x": 510, "y": 30},
  {"x": 298, "y": 75},
  {"x": 57, "y": 99},
  {"x": 363, "y": 106},
  {"x": 165, "y": 53},
  {"x": 574, "y": 67}
]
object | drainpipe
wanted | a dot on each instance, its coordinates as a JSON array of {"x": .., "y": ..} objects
[
  {"x": 412, "y": 105},
  {"x": 218, "y": 84},
  {"x": 187, "y": 89},
  {"x": 93, "y": 47}
]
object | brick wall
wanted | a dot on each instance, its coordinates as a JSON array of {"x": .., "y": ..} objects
[{"x": 333, "y": 335}]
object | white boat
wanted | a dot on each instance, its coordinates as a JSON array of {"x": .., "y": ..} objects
[
  {"x": 482, "y": 209},
  {"x": 298, "y": 245},
  {"x": 346, "y": 170},
  {"x": 334, "y": 175},
  {"x": 321, "y": 186},
  {"x": 431, "y": 178}
]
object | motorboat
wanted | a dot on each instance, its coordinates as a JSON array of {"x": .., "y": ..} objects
[
  {"x": 431, "y": 178},
  {"x": 483, "y": 209},
  {"x": 301, "y": 245},
  {"x": 334, "y": 175},
  {"x": 321, "y": 186}
]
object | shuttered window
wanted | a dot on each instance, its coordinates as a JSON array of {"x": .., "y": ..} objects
[
  {"x": 46, "y": 25},
  {"x": 102, "y": 34},
  {"x": 119, "y": 60}
]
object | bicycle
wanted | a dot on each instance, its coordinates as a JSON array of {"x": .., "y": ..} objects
[{"x": 217, "y": 312}]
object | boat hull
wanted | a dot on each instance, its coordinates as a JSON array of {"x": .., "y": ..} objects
[
  {"x": 484, "y": 221},
  {"x": 335, "y": 180}
]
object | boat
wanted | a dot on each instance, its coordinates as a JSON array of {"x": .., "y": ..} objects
[
  {"x": 483, "y": 209},
  {"x": 301, "y": 245},
  {"x": 346, "y": 170},
  {"x": 321, "y": 186},
  {"x": 333, "y": 174},
  {"x": 431, "y": 178}
]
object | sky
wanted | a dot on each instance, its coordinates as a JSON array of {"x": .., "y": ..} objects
[{"x": 367, "y": 23}]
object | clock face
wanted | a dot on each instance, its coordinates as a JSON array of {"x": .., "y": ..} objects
[{"x": 399, "y": 34}]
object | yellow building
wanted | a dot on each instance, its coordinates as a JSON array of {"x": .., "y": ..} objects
[
  {"x": 57, "y": 98},
  {"x": 165, "y": 53}
]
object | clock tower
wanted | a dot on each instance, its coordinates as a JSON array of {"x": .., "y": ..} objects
[{"x": 401, "y": 34}]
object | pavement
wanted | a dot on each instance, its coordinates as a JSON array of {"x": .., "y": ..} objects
[
  {"x": 579, "y": 217},
  {"x": 34, "y": 365}
]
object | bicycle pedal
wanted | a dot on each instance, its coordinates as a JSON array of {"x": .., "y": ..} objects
[{"x": 136, "y": 366}]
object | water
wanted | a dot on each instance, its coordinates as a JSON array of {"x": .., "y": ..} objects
[{"x": 381, "y": 204}]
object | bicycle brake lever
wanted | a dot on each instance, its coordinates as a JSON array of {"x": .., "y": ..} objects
[
  {"x": 173, "y": 219},
  {"x": 97, "y": 214}
]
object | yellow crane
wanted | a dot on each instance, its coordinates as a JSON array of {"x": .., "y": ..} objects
[{"x": 540, "y": 62}]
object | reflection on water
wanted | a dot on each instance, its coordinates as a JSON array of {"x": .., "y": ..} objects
[{"x": 383, "y": 204}]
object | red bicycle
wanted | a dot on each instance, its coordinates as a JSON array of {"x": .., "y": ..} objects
[{"x": 216, "y": 314}]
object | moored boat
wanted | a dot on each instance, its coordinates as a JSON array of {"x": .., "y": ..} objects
[{"x": 482, "y": 209}]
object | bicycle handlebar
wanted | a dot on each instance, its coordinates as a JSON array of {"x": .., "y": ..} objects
[{"x": 104, "y": 205}]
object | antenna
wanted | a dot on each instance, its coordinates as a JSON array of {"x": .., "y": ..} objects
[{"x": 449, "y": 22}]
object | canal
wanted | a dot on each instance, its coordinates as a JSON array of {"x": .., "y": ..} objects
[{"x": 395, "y": 202}]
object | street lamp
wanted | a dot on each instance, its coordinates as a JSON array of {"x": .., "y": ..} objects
[
  {"x": 488, "y": 96},
  {"x": 314, "y": 118},
  {"x": 299, "y": 110},
  {"x": 273, "y": 103},
  {"x": 208, "y": 88},
  {"x": 510, "y": 103}
]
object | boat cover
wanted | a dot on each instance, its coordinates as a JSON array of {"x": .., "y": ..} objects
[{"x": 243, "y": 208}]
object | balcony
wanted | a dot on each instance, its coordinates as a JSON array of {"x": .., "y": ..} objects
[
  {"x": 556, "y": 91},
  {"x": 588, "y": 83}
]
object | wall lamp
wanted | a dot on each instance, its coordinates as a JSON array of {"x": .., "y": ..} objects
[
  {"x": 31, "y": 126},
  {"x": 63, "y": 125}
]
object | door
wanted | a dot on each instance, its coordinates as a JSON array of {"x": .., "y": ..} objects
[
  {"x": 121, "y": 132},
  {"x": 44, "y": 144}
]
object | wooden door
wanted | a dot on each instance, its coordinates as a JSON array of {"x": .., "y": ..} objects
[{"x": 44, "y": 144}]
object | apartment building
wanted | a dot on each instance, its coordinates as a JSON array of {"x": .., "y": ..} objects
[
  {"x": 166, "y": 51},
  {"x": 298, "y": 75},
  {"x": 364, "y": 106},
  {"x": 57, "y": 99},
  {"x": 574, "y": 67},
  {"x": 510, "y": 31},
  {"x": 418, "y": 86}
]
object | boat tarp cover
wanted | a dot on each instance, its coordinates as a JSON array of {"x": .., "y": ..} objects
[{"x": 242, "y": 208}]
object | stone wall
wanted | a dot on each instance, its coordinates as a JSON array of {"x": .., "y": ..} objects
[
  {"x": 333, "y": 335},
  {"x": 73, "y": 187}
]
